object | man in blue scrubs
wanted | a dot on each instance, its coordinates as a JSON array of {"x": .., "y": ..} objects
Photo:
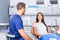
[{"x": 16, "y": 24}]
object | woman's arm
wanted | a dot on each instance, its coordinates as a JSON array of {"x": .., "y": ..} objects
[
  {"x": 35, "y": 29},
  {"x": 32, "y": 30}
]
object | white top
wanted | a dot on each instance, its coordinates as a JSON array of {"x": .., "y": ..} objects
[{"x": 41, "y": 28}]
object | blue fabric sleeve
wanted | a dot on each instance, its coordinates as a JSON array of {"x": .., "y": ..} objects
[{"x": 18, "y": 23}]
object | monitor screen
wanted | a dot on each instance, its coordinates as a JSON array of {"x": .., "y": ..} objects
[
  {"x": 54, "y": 1},
  {"x": 40, "y": 1}
]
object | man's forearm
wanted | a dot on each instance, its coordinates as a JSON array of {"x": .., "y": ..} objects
[{"x": 24, "y": 35}]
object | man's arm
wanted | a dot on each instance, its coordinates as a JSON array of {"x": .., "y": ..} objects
[
  {"x": 19, "y": 26},
  {"x": 24, "y": 35}
]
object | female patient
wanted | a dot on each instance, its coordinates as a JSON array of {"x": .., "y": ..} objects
[{"x": 39, "y": 28}]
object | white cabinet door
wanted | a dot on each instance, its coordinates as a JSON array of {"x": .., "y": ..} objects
[
  {"x": 58, "y": 21},
  {"x": 45, "y": 10},
  {"x": 12, "y": 11},
  {"x": 56, "y": 10},
  {"x": 27, "y": 2},
  {"x": 31, "y": 9},
  {"x": 28, "y": 20},
  {"x": 50, "y": 21}
]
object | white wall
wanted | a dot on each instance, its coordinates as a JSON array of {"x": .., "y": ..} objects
[
  {"x": 27, "y": 2},
  {"x": 45, "y": 9},
  {"x": 4, "y": 6}
]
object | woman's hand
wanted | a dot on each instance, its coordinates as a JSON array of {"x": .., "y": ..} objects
[{"x": 49, "y": 31}]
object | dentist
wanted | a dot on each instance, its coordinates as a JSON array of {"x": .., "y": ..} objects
[{"x": 16, "y": 24}]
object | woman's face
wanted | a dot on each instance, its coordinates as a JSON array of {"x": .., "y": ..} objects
[{"x": 39, "y": 16}]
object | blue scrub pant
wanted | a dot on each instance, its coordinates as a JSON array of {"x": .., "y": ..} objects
[
  {"x": 16, "y": 39},
  {"x": 48, "y": 36}
]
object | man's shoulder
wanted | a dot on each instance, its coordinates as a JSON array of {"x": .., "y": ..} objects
[{"x": 16, "y": 16}]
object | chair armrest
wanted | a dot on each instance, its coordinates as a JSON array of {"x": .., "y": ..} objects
[{"x": 9, "y": 35}]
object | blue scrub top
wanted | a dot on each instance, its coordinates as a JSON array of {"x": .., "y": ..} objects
[{"x": 15, "y": 24}]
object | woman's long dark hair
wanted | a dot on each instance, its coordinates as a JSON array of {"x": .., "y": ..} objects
[{"x": 37, "y": 20}]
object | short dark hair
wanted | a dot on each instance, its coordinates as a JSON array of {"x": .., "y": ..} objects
[{"x": 20, "y": 5}]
